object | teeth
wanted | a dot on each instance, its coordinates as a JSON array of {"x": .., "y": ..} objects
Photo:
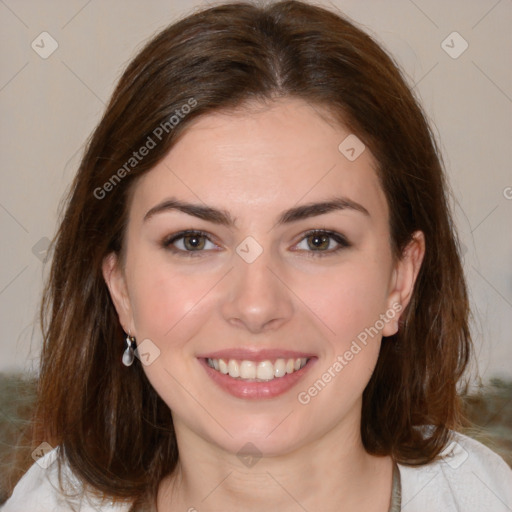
[
  {"x": 234, "y": 368},
  {"x": 223, "y": 367},
  {"x": 265, "y": 370},
  {"x": 262, "y": 371},
  {"x": 280, "y": 368},
  {"x": 248, "y": 370}
]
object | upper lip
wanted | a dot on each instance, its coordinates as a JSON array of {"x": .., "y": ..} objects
[{"x": 255, "y": 354}]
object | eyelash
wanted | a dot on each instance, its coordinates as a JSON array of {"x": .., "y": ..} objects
[{"x": 343, "y": 243}]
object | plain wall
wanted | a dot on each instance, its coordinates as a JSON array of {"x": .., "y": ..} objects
[{"x": 50, "y": 106}]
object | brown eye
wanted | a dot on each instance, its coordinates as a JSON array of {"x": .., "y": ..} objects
[
  {"x": 187, "y": 243},
  {"x": 322, "y": 243}
]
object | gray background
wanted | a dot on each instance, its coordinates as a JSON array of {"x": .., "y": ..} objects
[{"x": 50, "y": 106}]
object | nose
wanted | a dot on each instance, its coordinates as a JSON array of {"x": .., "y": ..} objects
[{"x": 256, "y": 296}]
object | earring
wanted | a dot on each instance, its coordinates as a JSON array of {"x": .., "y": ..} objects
[{"x": 128, "y": 355}]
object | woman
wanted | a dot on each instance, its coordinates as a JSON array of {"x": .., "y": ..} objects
[{"x": 256, "y": 298}]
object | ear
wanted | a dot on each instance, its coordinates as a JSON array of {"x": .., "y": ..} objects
[
  {"x": 403, "y": 279},
  {"x": 116, "y": 283}
]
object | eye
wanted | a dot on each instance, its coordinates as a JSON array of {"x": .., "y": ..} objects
[
  {"x": 320, "y": 242},
  {"x": 188, "y": 242}
]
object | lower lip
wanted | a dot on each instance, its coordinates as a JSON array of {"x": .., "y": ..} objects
[{"x": 257, "y": 390}]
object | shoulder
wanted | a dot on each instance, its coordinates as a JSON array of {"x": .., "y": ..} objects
[
  {"x": 39, "y": 489},
  {"x": 468, "y": 476}
]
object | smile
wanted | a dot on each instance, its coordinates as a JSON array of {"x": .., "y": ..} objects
[{"x": 261, "y": 374}]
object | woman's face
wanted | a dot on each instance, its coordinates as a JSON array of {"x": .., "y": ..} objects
[{"x": 255, "y": 293}]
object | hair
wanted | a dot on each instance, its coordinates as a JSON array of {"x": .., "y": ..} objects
[{"x": 114, "y": 430}]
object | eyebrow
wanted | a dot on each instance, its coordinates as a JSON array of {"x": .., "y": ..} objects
[{"x": 224, "y": 218}]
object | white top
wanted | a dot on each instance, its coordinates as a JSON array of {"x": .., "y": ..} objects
[{"x": 469, "y": 478}]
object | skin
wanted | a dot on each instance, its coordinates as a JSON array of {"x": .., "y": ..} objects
[{"x": 256, "y": 164}]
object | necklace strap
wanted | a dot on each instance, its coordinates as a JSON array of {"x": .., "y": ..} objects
[{"x": 396, "y": 492}]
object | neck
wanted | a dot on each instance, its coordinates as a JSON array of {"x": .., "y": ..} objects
[{"x": 333, "y": 473}]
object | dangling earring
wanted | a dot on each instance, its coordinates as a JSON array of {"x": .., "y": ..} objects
[{"x": 128, "y": 355}]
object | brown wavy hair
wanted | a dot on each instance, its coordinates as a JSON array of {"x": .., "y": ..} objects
[{"x": 114, "y": 430}]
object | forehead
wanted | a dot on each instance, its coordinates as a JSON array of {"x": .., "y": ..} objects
[{"x": 264, "y": 157}]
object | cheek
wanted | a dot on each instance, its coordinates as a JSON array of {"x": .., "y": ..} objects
[
  {"x": 167, "y": 304},
  {"x": 170, "y": 309},
  {"x": 347, "y": 300},
  {"x": 350, "y": 303}
]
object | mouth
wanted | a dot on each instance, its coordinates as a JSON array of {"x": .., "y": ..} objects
[{"x": 256, "y": 374}]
